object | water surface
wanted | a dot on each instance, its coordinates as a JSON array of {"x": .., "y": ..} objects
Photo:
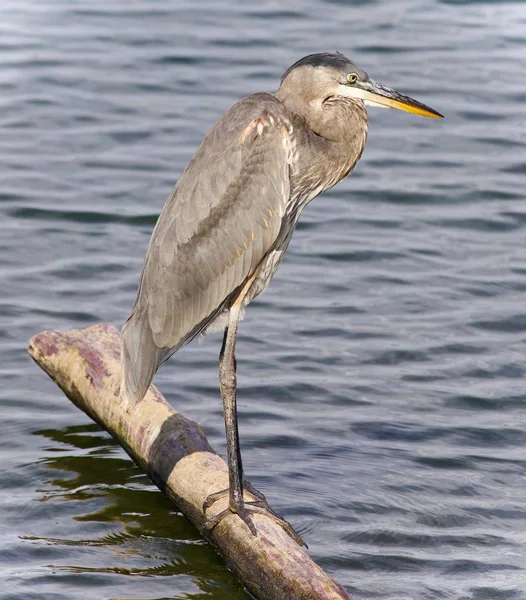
[{"x": 382, "y": 397}]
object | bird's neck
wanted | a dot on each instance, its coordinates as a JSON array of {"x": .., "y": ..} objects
[
  {"x": 329, "y": 137},
  {"x": 327, "y": 161}
]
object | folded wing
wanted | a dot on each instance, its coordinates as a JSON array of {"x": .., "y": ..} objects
[{"x": 221, "y": 220}]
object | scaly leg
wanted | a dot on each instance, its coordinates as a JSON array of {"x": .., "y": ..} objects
[{"x": 227, "y": 384}]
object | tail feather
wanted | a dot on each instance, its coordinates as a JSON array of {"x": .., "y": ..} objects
[{"x": 140, "y": 358}]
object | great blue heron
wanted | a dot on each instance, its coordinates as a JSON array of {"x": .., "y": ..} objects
[{"x": 227, "y": 224}]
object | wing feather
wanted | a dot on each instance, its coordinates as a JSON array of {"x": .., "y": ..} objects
[{"x": 221, "y": 220}]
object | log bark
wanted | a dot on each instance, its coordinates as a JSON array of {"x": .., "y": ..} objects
[{"x": 176, "y": 455}]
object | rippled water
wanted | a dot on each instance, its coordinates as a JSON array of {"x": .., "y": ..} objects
[{"x": 382, "y": 392}]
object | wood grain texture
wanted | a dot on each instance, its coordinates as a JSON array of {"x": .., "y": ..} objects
[{"x": 175, "y": 453}]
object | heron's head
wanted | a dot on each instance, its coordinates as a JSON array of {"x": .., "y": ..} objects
[{"x": 323, "y": 80}]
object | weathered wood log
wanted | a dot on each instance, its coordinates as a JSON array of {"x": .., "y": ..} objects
[{"x": 176, "y": 455}]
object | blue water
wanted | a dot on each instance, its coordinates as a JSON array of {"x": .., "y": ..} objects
[{"x": 382, "y": 395}]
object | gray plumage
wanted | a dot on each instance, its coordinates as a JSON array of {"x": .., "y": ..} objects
[
  {"x": 247, "y": 182},
  {"x": 226, "y": 225}
]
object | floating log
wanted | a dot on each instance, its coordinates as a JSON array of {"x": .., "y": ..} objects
[{"x": 176, "y": 455}]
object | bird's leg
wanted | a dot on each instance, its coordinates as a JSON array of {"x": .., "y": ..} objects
[
  {"x": 237, "y": 504},
  {"x": 227, "y": 384}
]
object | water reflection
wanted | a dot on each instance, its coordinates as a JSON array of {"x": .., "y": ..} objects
[{"x": 136, "y": 531}]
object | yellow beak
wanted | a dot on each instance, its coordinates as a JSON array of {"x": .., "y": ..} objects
[{"x": 376, "y": 94}]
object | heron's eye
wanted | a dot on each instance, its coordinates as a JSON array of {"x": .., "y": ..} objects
[{"x": 352, "y": 78}]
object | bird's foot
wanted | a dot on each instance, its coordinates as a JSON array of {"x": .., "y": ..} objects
[
  {"x": 242, "y": 508},
  {"x": 247, "y": 487}
]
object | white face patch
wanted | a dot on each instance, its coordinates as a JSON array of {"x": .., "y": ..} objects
[
  {"x": 351, "y": 92},
  {"x": 359, "y": 94}
]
